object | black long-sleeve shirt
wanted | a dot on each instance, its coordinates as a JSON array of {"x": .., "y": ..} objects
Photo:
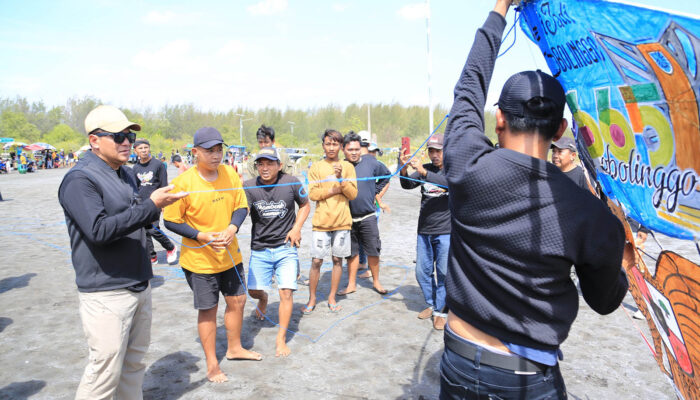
[
  {"x": 434, "y": 216},
  {"x": 518, "y": 224},
  {"x": 150, "y": 176},
  {"x": 105, "y": 217},
  {"x": 367, "y": 190}
]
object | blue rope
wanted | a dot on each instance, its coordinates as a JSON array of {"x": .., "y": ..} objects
[
  {"x": 312, "y": 339},
  {"x": 516, "y": 18}
]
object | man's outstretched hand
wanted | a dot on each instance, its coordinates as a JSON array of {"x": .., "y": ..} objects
[{"x": 162, "y": 197}]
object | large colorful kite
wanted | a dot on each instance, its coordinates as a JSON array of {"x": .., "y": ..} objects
[
  {"x": 632, "y": 82},
  {"x": 632, "y": 78}
]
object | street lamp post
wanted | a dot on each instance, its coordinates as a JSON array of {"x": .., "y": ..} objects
[
  {"x": 291, "y": 126},
  {"x": 240, "y": 126}
]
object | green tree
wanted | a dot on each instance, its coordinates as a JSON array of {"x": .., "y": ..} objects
[
  {"x": 62, "y": 136},
  {"x": 15, "y": 125},
  {"x": 77, "y": 109}
]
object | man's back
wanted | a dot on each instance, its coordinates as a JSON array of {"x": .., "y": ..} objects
[{"x": 518, "y": 225}]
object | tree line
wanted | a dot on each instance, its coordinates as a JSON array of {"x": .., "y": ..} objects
[{"x": 172, "y": 126}]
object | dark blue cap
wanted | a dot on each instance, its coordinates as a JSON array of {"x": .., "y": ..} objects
[
  {"x": 526, "y": 85},
  {"x": 207, "y": 137}
]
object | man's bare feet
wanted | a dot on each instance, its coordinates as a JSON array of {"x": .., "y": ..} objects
[
  {"x": 282, "y": 349},
  {"x": 215, "y": 375},
  {"x": 366, "y": 274},
  {"x": 261, "y": 309},
  {"x": 243, "y": 354},
  {"x": 425, "y": 314}
]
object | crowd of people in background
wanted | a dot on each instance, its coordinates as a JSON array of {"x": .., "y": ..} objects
[{"x": 22, "y": 160}]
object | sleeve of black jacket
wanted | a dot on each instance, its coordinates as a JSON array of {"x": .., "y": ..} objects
[
  {"x": 599, "y": 269},
  {"x": 83, "y": 203},
  {"x": 381, "y": 170},
  {"x": 465, "y": 141}
]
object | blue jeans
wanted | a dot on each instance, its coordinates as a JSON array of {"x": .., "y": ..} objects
[
  {"x": 281, "y": 261},
  {"x": 431, "y": 268},
  {"x": 461, "y": 378}
]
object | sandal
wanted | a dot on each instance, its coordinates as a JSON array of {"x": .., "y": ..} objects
[
  {"x": 308, "y": 310},
  {"x": 335, "y": 307}
]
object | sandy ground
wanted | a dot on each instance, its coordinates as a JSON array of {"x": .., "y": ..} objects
[{"x": 374, "y": 348}]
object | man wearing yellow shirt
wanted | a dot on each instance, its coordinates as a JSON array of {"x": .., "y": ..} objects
[
  {"x": 332, "y": 185},
  {"x": 208, "y": 221}
]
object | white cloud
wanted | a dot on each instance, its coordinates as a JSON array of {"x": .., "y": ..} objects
[
  {"x": 174, "y": 56},
  {"x": 413, "y": 11},
  {"x": 232, "y": 49},
  {"x": 172, "y": 18},
  {"x": 340, "y": 7},
  {"x": 268, "y": 7},
  {"x": 158, "y": 17}
]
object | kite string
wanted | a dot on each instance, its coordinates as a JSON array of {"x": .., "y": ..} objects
[
  {"x": 260, "y": 312},
  {"x": 516, "y": 18}
]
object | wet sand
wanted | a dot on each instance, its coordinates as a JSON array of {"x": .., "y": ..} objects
[{"x": 374, "y": 348}]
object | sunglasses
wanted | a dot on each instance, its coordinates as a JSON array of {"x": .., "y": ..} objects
[{"x": 119, "y": 136}]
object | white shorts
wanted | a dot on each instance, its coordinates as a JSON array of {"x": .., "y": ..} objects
[{"x": 335, "y": 242}]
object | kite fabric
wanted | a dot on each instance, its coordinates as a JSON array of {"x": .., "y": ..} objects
[{"x": 632, "y": 82}]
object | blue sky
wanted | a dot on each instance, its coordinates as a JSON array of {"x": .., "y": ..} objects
[{"x": 219, "y": 55}]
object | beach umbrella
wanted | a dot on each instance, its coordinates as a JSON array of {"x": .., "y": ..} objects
[
  {"x": 82, "y": 150},
  {"x": 10, "y": 145},
  {"x": 33, "y": 147},
  {"x": 40, "y": 146}
]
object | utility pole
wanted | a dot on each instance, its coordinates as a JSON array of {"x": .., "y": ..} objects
[
  {"x": 430, "y": 68},
  {"x": 240, "y": 126},
  {"x": 369, "y": 118},
  {"x": 291, "y": 126}
]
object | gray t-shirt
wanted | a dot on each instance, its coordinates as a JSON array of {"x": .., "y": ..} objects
[{"x": 272, "y": 209}]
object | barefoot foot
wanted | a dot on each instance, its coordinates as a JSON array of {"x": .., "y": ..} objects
[
  {"x": 215, "y": 375},
  {"x": 261, "y": 309},
  {"x": 243, "y": 354},
  {"x": 366, "y": 274},
  {"x": 282, "y": 349}
]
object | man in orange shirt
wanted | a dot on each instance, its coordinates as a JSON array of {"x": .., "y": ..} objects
[
  {"x": 332, "y": 185},
  {"x": 212, "y": 215}
]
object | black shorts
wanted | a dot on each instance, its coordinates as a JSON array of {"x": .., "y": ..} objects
[
  {"x": 365, "y": 233},
  {"x": 206, "y": 287}
]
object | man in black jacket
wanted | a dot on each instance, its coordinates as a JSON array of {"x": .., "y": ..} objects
[
  {"x": 518, "y": 224},
  {"x": 106, "y": 218}
]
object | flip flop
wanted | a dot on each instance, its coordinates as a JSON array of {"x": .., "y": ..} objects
[
  {"x": 382, "y": 292},
  {"x": 306, "y": 310},
  {"x": 335, "y": 307}
]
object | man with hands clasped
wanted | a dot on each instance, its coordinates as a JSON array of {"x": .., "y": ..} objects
[{"x": 208, "y": 221}]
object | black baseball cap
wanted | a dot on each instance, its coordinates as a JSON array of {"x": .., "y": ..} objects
[
  {"x": 139, "y": 142},
  {"x": 207, "y": 137},
  {"x": 525, "y": 85}
]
